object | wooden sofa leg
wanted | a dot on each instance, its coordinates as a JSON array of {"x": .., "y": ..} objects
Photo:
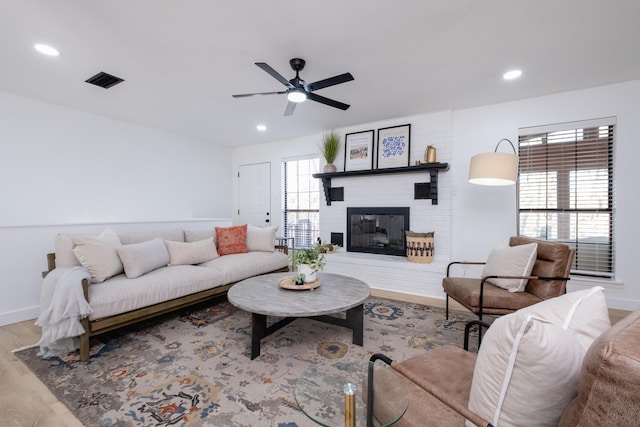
[
  {"x": 84, "y": 341},
  {"x": 84, "y": 347}
]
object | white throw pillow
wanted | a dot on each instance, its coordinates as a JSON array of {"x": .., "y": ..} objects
[
  {"x": 505, "y": 260},
  {"x": 261, "y": 239},
  {"x": 584, "y": 313},
  {"x": 99, "y": 255},
  {"x": 526, "y": 372},
  {"x": 186, "y": 253},
  {"x": 141, "y": 258}
]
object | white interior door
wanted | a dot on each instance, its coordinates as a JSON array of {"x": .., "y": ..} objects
[{"x": 254, "y": 194}]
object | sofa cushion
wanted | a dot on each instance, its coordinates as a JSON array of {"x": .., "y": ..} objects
[
  {"x": 63, "y": 244},
  {"x": 141, "y": 258},
  {"x": 186, "y": 253},
  {"x": 195, "y": 235},
  {"x": 261, "y": 239},
  {"x": 174, "y": 234},
  {"x": 526, "y": 369},
  {"x": 495, "y": 300},
  {"x": 508, "y": 260},
  {"x": 231, "y": 240},
  {"x": 235, "y": 267},
  {"x": 609, "y": 385},
  {"x": 99, "y": 255},
  {"x": 120, "y": 294}
]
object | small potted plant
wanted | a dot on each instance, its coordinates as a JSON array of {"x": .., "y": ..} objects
[
  {"x": 326, "y": 248},
  {"x": 308, "y": 262},
  {"x": 329, "y": 149}
]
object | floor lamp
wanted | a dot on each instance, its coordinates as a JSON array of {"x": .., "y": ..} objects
[{"x": 494, "y": 168}]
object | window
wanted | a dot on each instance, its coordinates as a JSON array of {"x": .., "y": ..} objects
[
  {"x": 566, "y": 190},
  {"x": 301, "y": 201}
]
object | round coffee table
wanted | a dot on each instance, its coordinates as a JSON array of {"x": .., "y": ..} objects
[
  {"x": 320, "y": 394},
  {"x": 262, "y": 297}
]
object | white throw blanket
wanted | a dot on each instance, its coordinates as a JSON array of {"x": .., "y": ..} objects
[{"x": 62, "y": 305}]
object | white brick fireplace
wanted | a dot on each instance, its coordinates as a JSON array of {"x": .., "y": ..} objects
[{"x": 387, "y": 272}]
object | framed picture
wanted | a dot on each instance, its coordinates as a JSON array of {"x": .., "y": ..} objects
[
  {"x": 358, "y": 151},
  {"x": 393, "y": 147}
]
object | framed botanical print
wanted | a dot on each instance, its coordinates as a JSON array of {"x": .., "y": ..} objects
[
  {"x": 393, "y": 147},
  {"x": 358, "y": 151}
]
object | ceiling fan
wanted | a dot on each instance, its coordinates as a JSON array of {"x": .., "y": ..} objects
[{"x": 298, "y": 90}]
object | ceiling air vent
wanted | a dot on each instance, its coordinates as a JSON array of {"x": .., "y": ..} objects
[{"x": 104, "y": 80}]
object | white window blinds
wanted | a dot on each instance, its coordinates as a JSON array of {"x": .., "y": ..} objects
[{"x": 566, "y": 190}]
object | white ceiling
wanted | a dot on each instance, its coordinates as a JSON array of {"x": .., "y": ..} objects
[{"x": 182, "y": 60}]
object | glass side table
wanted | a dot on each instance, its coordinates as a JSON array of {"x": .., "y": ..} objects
[{"x": 320, "y": 393}]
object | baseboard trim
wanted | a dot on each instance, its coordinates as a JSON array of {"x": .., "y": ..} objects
[
  {"x": 11, "y": 317},
  {"x": 417, "y": 299}
]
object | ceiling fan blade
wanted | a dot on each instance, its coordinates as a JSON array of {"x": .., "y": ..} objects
[
  {"x": 244, "y": 95},
  {"x": 273, "y": 73},
  {"x": 291, "y": 106},
  {"x": 327, "y": 101},
  {"x": 331, "y": 81}
]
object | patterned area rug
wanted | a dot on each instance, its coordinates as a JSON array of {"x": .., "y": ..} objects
[{"x": 192, "y": 368}]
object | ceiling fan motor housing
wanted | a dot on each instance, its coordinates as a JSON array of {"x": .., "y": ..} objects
[{"x": 297, "y": 64}]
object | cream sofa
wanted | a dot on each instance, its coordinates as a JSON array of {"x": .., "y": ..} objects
[{"x": 158, "y": 271}]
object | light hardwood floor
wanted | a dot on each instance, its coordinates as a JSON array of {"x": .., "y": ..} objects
[{"x": 25, "y": 401}]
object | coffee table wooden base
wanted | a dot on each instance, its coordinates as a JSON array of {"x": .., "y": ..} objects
[{"x": 259, "y": 328}]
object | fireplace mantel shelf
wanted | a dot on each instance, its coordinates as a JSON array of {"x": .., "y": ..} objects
[{"x": 428, "y": 190}]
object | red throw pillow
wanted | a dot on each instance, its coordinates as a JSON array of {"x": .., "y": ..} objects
[{"x": 231, "y": 240}]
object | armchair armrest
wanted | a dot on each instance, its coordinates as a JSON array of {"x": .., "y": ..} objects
[
  {"x": 282, "y": 248},
  {"x": 485, "y": 278},
  {"x": 426, "y": 386},
  {"x": 467, "y": 330}
]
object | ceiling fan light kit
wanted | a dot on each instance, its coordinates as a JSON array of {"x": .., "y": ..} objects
[
  {"x": 298, "y": 90},
  {"x": 297, "y": 96}
]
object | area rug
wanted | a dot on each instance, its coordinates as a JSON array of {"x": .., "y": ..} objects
[{"x": 192, "y": 368}]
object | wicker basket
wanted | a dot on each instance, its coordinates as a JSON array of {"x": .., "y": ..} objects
[{"x": 420, "y": 247}]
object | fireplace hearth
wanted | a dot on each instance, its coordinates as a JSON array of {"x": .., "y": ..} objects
[{"x": 377, "y": 230}]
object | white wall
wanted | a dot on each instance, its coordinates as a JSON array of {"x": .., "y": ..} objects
[
  {"x": 482, "y": 216},
  {"x": 61, "y": 167}
]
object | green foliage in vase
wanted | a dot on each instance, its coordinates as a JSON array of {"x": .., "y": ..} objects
[
  {"x": 330, "y": 147},
  {"x": 309, "y": 256}
]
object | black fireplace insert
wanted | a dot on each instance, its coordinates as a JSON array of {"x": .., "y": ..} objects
[{"x": 377, "y": 230}]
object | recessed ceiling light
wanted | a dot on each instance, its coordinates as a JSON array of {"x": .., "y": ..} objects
[
  {"x": 261, "y": 128},
  {"x": 46, "y": 49},
  {"x": 512, "y": 74}
]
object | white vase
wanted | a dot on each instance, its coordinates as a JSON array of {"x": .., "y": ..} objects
[
  {"x": 309, "y": 274},
  {"x": 329, "y": 168}
]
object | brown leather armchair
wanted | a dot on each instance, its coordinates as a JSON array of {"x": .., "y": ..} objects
[
  {"x": 548, "y": 279},
  {"x": 438, "y": 383}
]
